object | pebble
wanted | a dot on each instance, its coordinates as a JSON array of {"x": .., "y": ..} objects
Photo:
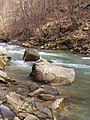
[
  {"x": 33, "y": 87},
  {"x": 53, "y": 91}
]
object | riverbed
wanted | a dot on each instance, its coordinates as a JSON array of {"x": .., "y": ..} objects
[{"x": 79, "y": 91}]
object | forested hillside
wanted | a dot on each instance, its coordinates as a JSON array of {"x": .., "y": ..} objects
[{"x": 51, "y": 24}]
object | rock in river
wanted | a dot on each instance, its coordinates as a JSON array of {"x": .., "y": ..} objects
[
  {"x": 47, "y": 72},
  {"x": 31, "y": 55}
]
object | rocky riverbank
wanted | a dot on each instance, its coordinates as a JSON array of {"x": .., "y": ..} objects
[{"x": 31, "y": 99}]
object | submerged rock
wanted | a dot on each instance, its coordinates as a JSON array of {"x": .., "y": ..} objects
[
  {"x": 47, "y": 72},
  {"x": 31, "y": 55}
]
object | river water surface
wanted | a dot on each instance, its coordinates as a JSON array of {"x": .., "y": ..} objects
[{"x": 79, "y": 91}]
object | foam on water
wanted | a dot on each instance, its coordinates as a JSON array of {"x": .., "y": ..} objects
[
  {"x": 57, "y": 62},
  {"x": 49, "y": 54},
  {"x": 16, "y": 51},
  {"x": 20, "y": 63},
  {"x": 85, "y": 58}
]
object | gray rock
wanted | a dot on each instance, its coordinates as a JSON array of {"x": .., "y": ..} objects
[
  {"x": 46, "y": 97},
  {"x": 43, "y": 111},
  {"x": 31, "y": 55},
  {"x": 42, "y": 116},
  {"x": 33, "y": 87},
  {"x": 47, "y": 72},
  {"x": 3, "y": 77},
  {"x": 20, "y": 90},
  {"x": 31, "y": 117},
  {"x": 53, "y": 91},
  {"x": 37, "y": 92},
  {"x": 6, "y": 112}
]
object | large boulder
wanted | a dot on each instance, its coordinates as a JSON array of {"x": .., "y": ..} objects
[
  {"x": 31, "y": 55},
  {"x": 47, "y": 72}
]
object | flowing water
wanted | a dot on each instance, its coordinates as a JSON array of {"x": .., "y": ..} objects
[{"x": 79, "y": 91}]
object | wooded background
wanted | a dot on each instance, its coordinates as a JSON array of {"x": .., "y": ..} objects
[{"x": 27, "y": 17}]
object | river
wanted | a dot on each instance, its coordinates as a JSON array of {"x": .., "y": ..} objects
[{"x": 79, "y": 91}]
